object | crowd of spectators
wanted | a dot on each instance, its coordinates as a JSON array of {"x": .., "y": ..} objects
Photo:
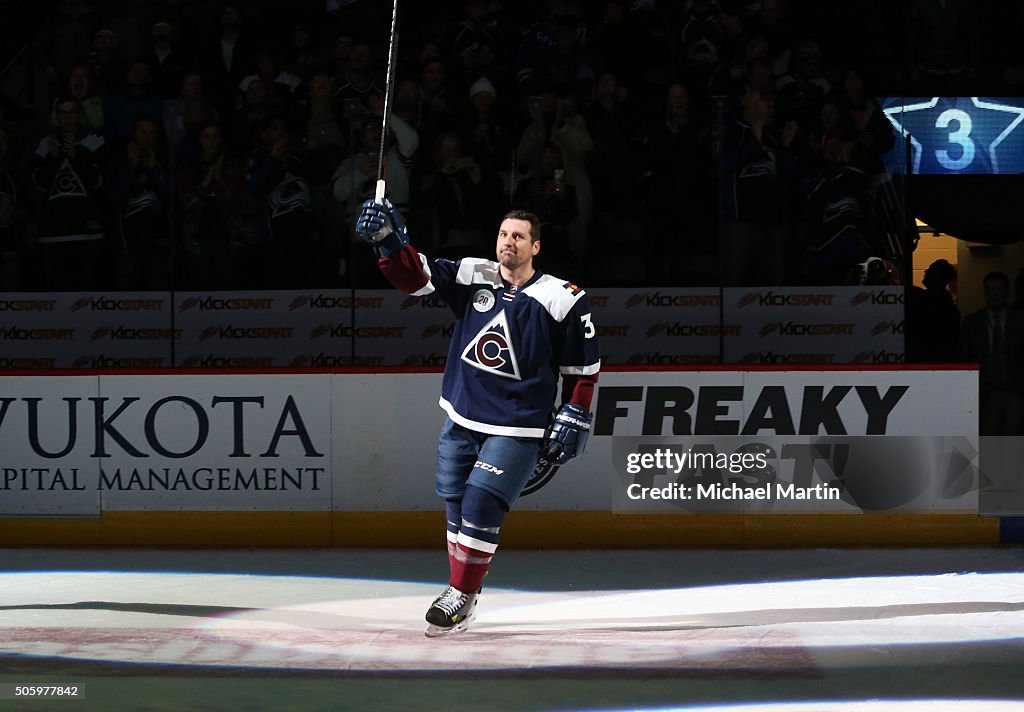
[{"x": 204, "y": 145}]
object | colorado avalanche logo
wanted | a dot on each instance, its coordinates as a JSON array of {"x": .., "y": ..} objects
[
  {"x": 290, "y": 195},
  {"x": 491, "y": 350},
  {"x": 67, "y": 184},
  {"x": 146, "y": 200},
  {"x": 761, "y": 168}
]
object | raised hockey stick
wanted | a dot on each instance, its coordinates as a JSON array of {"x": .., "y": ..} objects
[{"x": 388, "y": 91}]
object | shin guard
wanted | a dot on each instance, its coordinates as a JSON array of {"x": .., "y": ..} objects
[{"x": 477, "y": 540}]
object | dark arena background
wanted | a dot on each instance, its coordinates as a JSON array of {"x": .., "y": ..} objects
[{"x": 797, "y": 226}]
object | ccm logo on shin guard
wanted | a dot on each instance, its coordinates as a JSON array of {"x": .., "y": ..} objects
[{"x": 487, "y": 468}]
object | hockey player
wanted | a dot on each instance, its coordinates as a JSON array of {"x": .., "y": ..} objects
[{"x": 517, "y": 329}]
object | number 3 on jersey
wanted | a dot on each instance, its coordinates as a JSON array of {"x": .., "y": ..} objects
[{"x": 588, "y": 327}]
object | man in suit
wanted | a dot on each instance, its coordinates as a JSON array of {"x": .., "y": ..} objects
[
  {"x": 993, "y": 337},
  {"x": 227, "y": 60}
]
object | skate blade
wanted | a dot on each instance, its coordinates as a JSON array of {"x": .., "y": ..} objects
[{"x": 436, "y": 631}]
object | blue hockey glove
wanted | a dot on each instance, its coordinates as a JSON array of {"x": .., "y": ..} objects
[
  {"x": 567, "y": 436},
  {"x": 382, "y": 226}
]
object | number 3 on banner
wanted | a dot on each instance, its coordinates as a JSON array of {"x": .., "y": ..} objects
[{"x": 961, "y": 137}]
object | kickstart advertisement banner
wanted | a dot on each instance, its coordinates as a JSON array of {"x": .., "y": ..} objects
[
  {"x": 371, "y": 328},
  {"x": 662, "y": 441}
]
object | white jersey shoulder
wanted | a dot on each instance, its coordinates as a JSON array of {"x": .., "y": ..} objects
[
  {"x": 93, "y": 141},
  {"x": 474, "y": 270},
  {"x": 556, "y": 295}
]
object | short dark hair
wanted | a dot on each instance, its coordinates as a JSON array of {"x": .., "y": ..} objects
[
  {"x": 145, "y": 118},
  {"x": 994, "y": 277},
  {"x": 68, "y": 99},
  {"x": 942, "y": 271},
  {"x": 528, "y": 217}
]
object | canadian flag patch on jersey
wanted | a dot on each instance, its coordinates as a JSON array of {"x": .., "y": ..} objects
[{"x": 491, "y": 349}]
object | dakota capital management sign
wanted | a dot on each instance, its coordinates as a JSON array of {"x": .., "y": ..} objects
[{"x": 76, "y": 445}]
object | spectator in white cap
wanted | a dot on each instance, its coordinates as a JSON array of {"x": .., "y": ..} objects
[
  {"x": 482, "y": 86},
  {"x": 485, "y": 135}
]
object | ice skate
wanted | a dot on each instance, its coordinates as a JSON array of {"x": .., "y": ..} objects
[{"x": 450, "y": 612}]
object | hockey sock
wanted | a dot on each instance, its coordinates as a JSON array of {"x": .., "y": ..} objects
[
  {"x": 453, "y": 517},
  {"x": 477, "y": 540}
]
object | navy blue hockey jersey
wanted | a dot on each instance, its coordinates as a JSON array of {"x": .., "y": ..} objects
[{"x": 509, "y": 345}]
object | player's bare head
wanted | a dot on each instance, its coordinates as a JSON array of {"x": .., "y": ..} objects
[
  {"x": 517, "y": 242},
  {"x": 528, "y": 217}
]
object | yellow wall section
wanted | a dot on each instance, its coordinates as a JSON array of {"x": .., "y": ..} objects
[
  {"x": 931, "y": 247},
  {"x": 524, "y": 530},
  {"x": 972, "y": 260}
]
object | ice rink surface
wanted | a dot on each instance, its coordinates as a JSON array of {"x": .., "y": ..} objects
[{"x": 930, "y": 630}]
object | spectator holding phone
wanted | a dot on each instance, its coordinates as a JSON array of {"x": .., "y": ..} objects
[
  {"x": 138, "y": 191},
  {"x": 556, "y": 120}
]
